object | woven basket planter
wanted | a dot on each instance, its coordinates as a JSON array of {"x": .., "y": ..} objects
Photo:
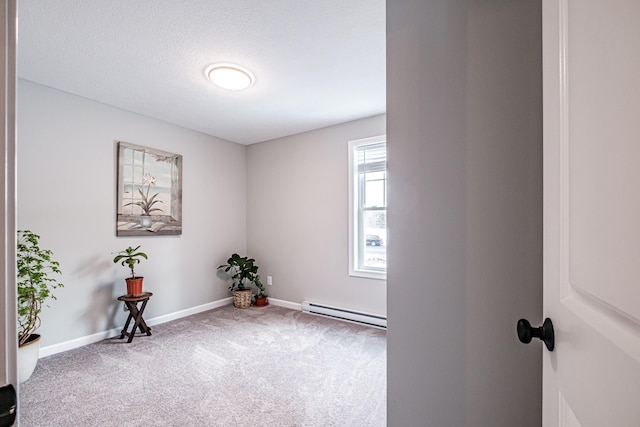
[{"x": 242, "y": 299}]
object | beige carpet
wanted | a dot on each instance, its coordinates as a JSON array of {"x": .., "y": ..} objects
[{"x": 226, "y": 367}]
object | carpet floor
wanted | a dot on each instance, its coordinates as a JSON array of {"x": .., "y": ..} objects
[{"x": 227, "y": 367}]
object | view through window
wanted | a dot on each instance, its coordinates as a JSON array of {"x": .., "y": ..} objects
[{"x": 368, "y": 207}]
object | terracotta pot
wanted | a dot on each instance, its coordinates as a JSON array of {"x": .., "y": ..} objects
[
  {"x": 134, "y": 286},
  {"x": 261, "y": 301}
]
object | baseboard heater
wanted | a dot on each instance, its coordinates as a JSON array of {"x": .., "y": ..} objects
[{"x": 344, "y": 314}]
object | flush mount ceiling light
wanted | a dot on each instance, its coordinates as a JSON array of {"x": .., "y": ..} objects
[{"x": 229, "y": 76}]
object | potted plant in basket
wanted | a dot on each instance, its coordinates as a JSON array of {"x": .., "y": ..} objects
[
  {"x": 34, "y": 266},
  {"x": 243, "y": 272},
  {"x": 131, "y": 257}
]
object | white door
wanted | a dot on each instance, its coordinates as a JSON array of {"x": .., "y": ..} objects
[{"x": 591, "y": 73}]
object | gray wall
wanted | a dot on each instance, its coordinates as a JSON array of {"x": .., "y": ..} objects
[
  {"x": 465, "y": 183},
  {"x": 67, "y": 194},
  {"x": 298, "y": 217}
]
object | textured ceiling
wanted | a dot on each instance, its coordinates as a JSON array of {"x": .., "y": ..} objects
[{"x": 317, "y": 63}]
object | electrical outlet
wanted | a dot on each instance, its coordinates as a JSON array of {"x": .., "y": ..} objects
[{"x": 269, "y": 280}]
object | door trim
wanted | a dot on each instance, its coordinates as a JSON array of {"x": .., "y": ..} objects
[{"x": 9, "y": 297}]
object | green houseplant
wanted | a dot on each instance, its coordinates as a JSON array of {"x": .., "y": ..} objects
[
  {"x": 35, "y": 285},
  {"x": 243, "y": 272},
  {"x": 131, "y": 257},
  {"x": 261, "y": 297}
]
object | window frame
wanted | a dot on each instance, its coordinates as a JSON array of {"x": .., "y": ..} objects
[{"x": 356, "y": 228}]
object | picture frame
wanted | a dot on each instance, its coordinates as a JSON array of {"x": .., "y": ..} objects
[{"x": 149, "y": 191}]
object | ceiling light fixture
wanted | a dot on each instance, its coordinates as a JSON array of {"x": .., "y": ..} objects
[{"x": 230, "y": 76}]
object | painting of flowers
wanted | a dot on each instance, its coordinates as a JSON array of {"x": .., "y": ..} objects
[{"x": 149, "y": 191}]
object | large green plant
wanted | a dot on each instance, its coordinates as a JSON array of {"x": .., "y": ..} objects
[
  {"x": 34, "y": 282},
  {"x": 131, "y": 257},
  {"x": 242, "y": 270}
]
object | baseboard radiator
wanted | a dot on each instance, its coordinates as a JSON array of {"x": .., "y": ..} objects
[{"x": 344, "y": 314}]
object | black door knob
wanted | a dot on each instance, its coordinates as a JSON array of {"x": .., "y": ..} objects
[
  {"x": 8, "y": 405},
  {"x": 526, "y": 332}
]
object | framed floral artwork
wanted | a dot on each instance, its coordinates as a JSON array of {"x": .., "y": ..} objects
[{"x": 149, "y": 191}]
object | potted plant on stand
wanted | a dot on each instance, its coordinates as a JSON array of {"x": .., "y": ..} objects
[
  {"x": 34, "y": 266},
  {"x": 243, "y": 272},
  {"x": 131, "y": 257}
]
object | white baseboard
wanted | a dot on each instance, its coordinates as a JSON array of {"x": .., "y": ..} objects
[
  {"x": 189, "y": 311},
  {"x": 285, "y": 304},
  {"x": 90, "y": 339},
  {"x": 77, "y": 342}
]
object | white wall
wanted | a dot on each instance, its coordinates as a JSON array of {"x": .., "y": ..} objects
[
  {"x": 298, "y": 217},
  {"x": 465, "y": 184},
  {"x": 67, "y": 194}
]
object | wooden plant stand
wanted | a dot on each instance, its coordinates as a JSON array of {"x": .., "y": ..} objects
[{"x": 135, "y": 314}]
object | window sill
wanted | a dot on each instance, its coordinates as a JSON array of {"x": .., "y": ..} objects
[{"x": 368, "y": 274}]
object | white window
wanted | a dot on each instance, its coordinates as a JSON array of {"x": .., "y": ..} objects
[{"x": 368, "y": 207}]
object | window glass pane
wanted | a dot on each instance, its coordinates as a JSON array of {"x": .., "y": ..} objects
[
  {"x": 128, "y": 156},
  {"x": 374, "y": 192},
  {"x": 137, "y": 174},
  {"x": 127, "y": 173},
  {"x": 375, "y": 234},
  {"x": 138, "y": 157}
]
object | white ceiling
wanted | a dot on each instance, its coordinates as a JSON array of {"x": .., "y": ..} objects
[{"x": 317, "y": 63}]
